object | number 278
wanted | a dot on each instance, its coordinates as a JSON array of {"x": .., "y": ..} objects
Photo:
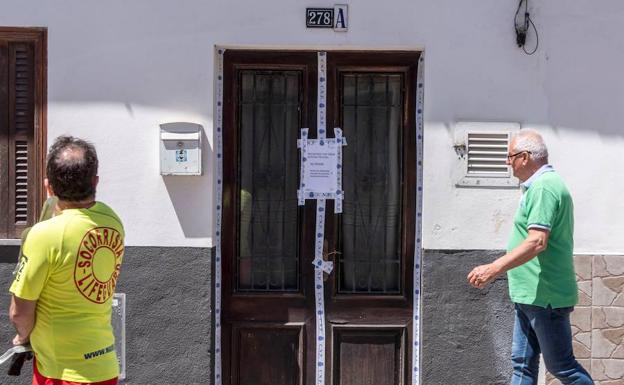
[{"x": 320, "y": 17}]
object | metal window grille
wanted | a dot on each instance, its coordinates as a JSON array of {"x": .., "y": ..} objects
[
  {"x": 270, "y": 104},
  {"x": 370, "y": 229}
]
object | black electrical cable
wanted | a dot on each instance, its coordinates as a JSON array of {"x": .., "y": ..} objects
[
  {"x": 536, "y": 38},
  {"x": 522, "y": 27}
]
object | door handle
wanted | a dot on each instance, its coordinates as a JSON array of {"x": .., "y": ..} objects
[
  {"x": 338, "y": 321},
  {"x": 330, "y": 257}
]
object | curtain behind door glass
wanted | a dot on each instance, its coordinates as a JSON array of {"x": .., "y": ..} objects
[
  {"x": 370, "y": 231},
  {"x": 269, "y": 121}
]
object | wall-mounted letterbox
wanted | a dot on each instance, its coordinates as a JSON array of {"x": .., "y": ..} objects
[{"x": 180, "y": 148}]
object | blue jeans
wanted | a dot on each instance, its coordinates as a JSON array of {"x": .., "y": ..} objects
[{"x": 546, "y": 331}]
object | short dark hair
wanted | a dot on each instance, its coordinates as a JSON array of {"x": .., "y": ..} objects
[{"x": 71, "y": 166}]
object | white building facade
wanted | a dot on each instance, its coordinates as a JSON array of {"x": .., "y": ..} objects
[{"x": 116, "y": 71}]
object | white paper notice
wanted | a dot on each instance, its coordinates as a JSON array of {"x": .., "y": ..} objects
[{"x": 321, "y": 166}]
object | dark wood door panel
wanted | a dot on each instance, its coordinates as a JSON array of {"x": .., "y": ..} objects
[
  {"x": 254, "y": 308},
  {"x": 265, "y": 274},
  {"x": 268, "y": 354},
  {"x": 369, "y": 356},
  {"x": 267, "y": 239},
  {"x": 372, "y": 98}
]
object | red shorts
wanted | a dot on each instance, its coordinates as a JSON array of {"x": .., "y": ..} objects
[{"x": 38, "y": 379}]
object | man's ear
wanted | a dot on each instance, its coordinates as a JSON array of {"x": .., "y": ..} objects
[
  {"x": 95, "y": 181},
  {"x": 48, "y": 187}
]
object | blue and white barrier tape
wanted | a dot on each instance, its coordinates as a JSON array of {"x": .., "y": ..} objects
[
  {"x": 420, "y": 94},
  {"x": 319, "y": 264},
  {"x": 219, "y": 198}
]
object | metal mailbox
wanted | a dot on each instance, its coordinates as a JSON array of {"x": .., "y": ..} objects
[{"x": 180, "y": 149}]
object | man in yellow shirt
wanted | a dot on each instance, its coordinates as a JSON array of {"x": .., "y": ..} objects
[{"x": 65, "y": 281}]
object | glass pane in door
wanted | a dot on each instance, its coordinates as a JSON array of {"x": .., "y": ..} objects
[
  {"x": 268, "y": 215},
  {"x": 370, "y": 229}
]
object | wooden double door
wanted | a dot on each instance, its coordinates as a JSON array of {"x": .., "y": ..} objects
[{"x": 268, "y": 317}]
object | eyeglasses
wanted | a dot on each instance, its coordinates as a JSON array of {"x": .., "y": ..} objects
[{"x": 510, "y": 157}]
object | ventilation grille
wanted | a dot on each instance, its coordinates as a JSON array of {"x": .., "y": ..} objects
[
  {"x": 487, "y": 154},
  {"x": 21, "y": 182}
]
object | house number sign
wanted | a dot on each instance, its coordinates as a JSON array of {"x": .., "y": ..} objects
[{"x": 335, "y": 18}]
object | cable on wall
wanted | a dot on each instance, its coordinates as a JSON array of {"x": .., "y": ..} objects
[{"x": 522, "y": 23}]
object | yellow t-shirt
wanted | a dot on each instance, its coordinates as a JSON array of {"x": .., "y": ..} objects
[{"x": 70, "y": 266}]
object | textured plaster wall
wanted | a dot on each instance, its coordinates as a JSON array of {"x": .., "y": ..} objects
[
  {"x": 168, "y": 315},
  {"x": 466, "y": 331}
]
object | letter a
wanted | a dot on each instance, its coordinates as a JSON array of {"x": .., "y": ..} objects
[{"x": 340, "y": 23}]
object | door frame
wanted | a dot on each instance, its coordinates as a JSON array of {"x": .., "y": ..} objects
[{"x": 219, "y": 50}]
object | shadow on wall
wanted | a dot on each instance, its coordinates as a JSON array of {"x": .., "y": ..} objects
[{"x": 192, "y": 196}]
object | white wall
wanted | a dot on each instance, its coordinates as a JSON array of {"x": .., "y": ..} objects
[{"x": 117, "y": 69}]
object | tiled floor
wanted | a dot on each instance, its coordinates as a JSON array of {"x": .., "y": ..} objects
[{"x": 598, "y": 320}]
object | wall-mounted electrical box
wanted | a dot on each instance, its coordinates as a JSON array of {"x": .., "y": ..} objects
[{"x": 180, "y": 148}]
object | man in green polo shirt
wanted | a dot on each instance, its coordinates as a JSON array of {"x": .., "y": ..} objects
[{"x": 540, "y": 268}]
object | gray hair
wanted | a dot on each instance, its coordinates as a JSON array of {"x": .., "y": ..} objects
[{"x": 531, "y": 141}]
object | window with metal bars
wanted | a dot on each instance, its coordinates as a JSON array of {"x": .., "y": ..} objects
[
  {"x": 21, "y": 128},
  {"x": 482, "y": 153},
  {"x": 268, "y": 216},
  {"x": 370, "y": 230}
]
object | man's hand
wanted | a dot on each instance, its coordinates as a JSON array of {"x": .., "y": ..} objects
[
  {"x": 20, "y": 341},
  {"x": 535, "y": 242},
  {"x": 480, "y": 276}
]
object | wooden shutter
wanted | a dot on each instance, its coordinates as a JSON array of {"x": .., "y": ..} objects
[
  {"x": 21, "y": 134},
  {"x": 21, "y": 112},
  {"x": 4, "y": 138}
]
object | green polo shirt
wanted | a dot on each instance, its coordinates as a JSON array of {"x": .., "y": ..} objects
[{"x": 549, "y": 278}]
